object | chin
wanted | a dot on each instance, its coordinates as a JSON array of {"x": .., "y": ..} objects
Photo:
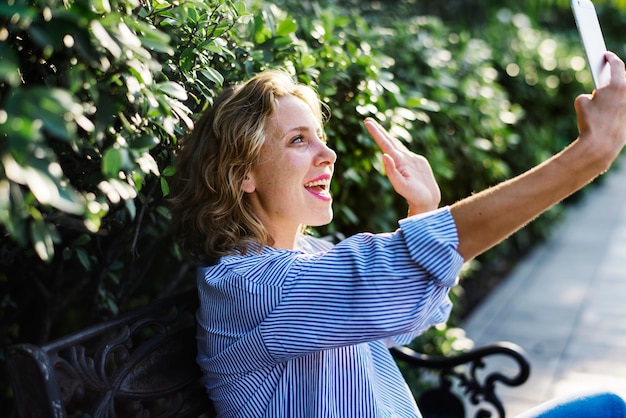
[
  {"x": 321, "y": 221},
  {"x": 319, "y": 218}
]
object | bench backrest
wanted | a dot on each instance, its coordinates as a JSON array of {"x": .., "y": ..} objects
[{"x": 142, "y": 364}]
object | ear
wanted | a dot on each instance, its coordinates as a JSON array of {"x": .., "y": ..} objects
[{"x": 248, "y": 184}]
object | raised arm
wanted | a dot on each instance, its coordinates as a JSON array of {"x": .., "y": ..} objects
[{"x": 486, "y": 218}]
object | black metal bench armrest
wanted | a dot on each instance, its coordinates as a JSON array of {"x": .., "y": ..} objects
[
  {"x": 136, "y": 365},
  {"x": 464, "y": 368}
]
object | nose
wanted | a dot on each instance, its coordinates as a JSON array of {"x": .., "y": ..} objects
[{"x": 326, "y": 156}]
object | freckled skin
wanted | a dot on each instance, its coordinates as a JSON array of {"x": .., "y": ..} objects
[{"x": 294, "y": 154}]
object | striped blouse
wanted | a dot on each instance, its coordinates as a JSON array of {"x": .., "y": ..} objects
[{"x": 304, "y": 333}]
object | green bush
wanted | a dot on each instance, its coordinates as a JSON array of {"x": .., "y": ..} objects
[{"x": 95, "y": 94}]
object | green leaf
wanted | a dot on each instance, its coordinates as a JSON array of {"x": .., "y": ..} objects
[
  {"x": 18, "y": 13},
  {"x": 220, "y": 29},
  {"x": 83, "y": 258},
  {"x": 117, "y": 190},
  {"x": 144, "y": 142},
  {"x": 21, "y": 131},
  {"x": 86, "y": 50},
  {"x": 165, "y": 187},
  {"x": 213, "y": 75},
  {"x": 142, "y": 71},
  {"x": 239, "y": 7},
  {"x": 173, "y": 89},
  {"x": 106, "y": 41},
  {"x": 211, "y": 46},
  {"x": 164, "y": 212},
  {"x": 131, "y": 208},
  {"x": 286, "y": 27},
  {"x": 5, "y": 201},
  {"x": 151, "y": 38},
  {"x": 308, "y": 60},
  {"x": 56, "y": 108},
  {"x": 101, "y": 6},
  {"x": 43, "y": 237},
  {"x": 281, "y": 42},
  {"x": 81, "y": 240},
  {"x": 169, "y": 170},
  {"x": 9, "y": 65},
  {"x": 41, "y": 37},
  {"x": 112, "y": 162},
  {"x": 129, "y": 39},
  {"x": 43, "y": 179},
  {"x": 147, "y": 164}
]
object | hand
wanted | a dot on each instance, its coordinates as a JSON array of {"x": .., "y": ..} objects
[
  {"x": 410, "y": 174},
  {"x": 601, "y": 116}
]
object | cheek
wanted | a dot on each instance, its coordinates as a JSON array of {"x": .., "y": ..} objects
[
  {"x": 280, "y": 171},
  {"x": 284, "y": 168},
  {"x": 271, "y": 177}
]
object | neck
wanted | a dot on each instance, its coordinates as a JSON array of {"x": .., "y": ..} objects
[{"x": 286, "y": 240}]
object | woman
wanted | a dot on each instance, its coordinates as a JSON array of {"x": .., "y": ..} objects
[{"x": 291, "y": 326}]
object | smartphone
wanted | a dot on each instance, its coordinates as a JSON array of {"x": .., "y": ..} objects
[{"x": 592, "y": 40}]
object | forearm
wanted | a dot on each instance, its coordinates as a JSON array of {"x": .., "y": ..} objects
[{"x": 486, "y": 218}]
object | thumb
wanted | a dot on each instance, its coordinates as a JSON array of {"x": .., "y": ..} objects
[
  {"x": 390, "y": 166},
  {"x": 394, "y": 175},
  {"x": 582, "y": 101},
  {"x": 581, "y": 105}
]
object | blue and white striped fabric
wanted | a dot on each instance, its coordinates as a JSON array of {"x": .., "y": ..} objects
[{"x": 304, "y": 333}]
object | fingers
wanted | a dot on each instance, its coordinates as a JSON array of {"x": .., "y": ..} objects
[
  {"x": 618, "y": 78},
  {"x": 618, "y": 69},
  {"x": 600, "y": 115},
  {"x": 387, "y": 143},
  {"x": 390, "y": 168}
]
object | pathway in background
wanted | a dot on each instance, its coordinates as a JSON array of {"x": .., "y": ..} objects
[{"x": 565, "y": 304}]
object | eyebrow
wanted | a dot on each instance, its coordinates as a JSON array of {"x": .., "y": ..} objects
[{"x": 295, "y": 129}]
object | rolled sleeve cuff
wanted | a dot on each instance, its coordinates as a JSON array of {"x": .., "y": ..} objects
[{"x": 432, "y": 241}]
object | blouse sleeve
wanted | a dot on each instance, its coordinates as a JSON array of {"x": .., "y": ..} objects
[{"x": 366, "y": 288}]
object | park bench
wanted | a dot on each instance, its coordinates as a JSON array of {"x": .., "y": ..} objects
[{"x": 142, "y": 364}]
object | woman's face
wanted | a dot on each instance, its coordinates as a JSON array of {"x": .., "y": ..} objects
[{"x": 290, "y": 186}]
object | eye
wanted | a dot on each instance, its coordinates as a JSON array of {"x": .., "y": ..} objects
[{"x": 297, "y": 140}]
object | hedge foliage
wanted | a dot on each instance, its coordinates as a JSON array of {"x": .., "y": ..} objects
[{"x": 95, "y": 94}]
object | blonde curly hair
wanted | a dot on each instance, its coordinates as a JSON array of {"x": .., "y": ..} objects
[{"x": 211, "y": 214}]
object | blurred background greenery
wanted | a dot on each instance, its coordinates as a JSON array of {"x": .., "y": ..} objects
[{"x": 95, "y": 94}]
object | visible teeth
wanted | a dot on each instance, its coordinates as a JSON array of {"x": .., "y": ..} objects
[{"x": 323, "y": 183}]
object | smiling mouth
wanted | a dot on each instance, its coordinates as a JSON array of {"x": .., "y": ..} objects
[{"x": 319, "y": 187}]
